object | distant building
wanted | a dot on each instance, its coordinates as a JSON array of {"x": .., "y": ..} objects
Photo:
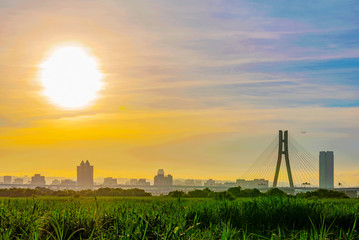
[
  {"x": 133, "y": 181},
  {"x": 85, "y": 174},
  {"x": 161, "y": 180},
  {"x": 139, "y": 182},
  {"x": 18, "y": 181},
  {"x": 37, "y": 179},
  {"x": 255, "y": 183},
  {"x": 143, "y": 182},
  {"x": 189, "y": 182},
  {"x": 326, "y": 169},
  {"x": 68, "y": 182},
  {"x": 179, "y": 182},
  {"x": 229, "y": 184},
  {"x": 55, "y": 182},
  {"x": 7, "y": 179},
  {"x": 210, "y": 182},
  {"x": 109, "y": 181}
]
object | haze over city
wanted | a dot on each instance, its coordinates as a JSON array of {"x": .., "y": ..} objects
[{"x": 198, "y": 88}]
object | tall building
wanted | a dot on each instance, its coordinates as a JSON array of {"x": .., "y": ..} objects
[
  {"x": 37, "y": 179},
  {"x": 7, "y": 179},
  {"x": 161, "y": 180},
  {"x": 85, "y": 174},
  {"x": 326, "y": 169}
]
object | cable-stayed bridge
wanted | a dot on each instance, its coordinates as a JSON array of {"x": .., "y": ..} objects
[{"x": 287, "y": 164}]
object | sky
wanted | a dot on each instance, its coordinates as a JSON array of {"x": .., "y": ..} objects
[{"x": 198, "y": 88}]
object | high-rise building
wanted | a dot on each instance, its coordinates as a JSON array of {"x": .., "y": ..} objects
[
  {"x": 326, "y": 169},
  {"x": 85, "y": 174},
  {"x": 161, "y": 180},
  {"x": 37, "y": 179},
  {"x": 7, "y": 179}
]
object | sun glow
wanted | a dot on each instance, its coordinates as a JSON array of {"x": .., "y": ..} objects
[{"x": 71, "y": 77}]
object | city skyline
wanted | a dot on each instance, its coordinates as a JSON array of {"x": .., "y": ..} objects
[
  {"x": 326, "y": 176},
  {"x": 197, "y": 88}
]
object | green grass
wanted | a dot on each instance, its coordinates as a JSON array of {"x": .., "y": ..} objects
[{"x": 170, "y": 218}]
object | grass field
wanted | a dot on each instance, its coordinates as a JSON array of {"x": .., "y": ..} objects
[{"x": 171, "y": 218}]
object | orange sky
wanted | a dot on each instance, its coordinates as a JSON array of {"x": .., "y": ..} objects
[{"x": 160, "y": 107}]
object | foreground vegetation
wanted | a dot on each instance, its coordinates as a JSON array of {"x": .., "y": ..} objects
[{"x": 177, "y": 218}]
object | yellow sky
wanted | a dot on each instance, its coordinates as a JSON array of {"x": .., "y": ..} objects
[{"x": 158, "y": 109}]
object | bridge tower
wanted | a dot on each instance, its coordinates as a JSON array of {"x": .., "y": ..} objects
[{"x": 283, "y": 150}]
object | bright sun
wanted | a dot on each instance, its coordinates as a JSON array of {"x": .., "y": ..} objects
[{"x": 71, "y": 77}]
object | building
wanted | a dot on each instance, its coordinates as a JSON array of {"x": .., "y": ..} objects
[
  {"x": 161, "y": 180},
  {"x": 85, "y": 174},
  {"x": 7, "y": 179},
  {"x": 255, "y": 183},
  {"x": 133, "y": 182},
  {"x": 143, "y": 182},
  {"x": 229, "y": 184},
  {"x": 326, "y": 169},
  {"x": 18, "y": 181},
  {"x": 138, "y": 182},
  {"x": 37, "y": 179},
  {"x": 109, "y": 181},
  {"x": 55, "y": 182},
  {"x": 210, "y": 182},
  {"x": 68, "y": 182}
]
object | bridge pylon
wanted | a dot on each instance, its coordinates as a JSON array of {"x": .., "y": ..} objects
[{"x": 283, "y": 150}]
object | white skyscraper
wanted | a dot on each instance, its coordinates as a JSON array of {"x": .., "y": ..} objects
[{"x": 326, "y": 169}]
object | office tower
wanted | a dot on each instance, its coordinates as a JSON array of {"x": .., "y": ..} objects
[
  {"x": 85, "y": 174},
  {"x": 326, "y": 169},
  {"x": 7, "y": 179},
  {"x": 161, "y": 180},
  {"x": 37, "y": 179}
]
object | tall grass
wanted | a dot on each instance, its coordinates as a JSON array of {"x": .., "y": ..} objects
[{"x": 163, "y": 218}]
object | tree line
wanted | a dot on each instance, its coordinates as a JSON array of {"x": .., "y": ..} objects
[
  {"x": 238, "y": 192},
  {"x": 230, "y": 194},
  {"x": 41, "y": 191}
]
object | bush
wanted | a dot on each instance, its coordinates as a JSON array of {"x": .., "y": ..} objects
[
  {"x": 177, "y": 194},
  {"x": 324, "y": 193},
  {"x": 276, "y": 192},
  {"x": 205, "y": 193},
  {"x": 235, "y": 191}
]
